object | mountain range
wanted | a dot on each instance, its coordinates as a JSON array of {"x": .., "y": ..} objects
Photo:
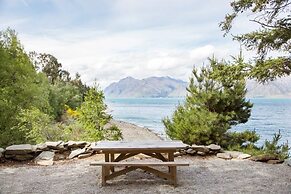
[{"x": 158, "y": 87}]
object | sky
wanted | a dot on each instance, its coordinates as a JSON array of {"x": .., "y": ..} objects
[{"x": 107, "y": 40}]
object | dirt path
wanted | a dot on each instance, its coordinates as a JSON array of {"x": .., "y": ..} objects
[{"x": 131, "y": 132}]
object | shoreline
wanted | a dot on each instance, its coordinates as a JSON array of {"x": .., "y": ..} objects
[{"x": 133, "y": 132}]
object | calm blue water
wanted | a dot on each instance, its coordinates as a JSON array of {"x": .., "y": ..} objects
[{"x": 268, "y": 115}]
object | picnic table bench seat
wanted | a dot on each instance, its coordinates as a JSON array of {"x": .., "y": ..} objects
[{"x": 144, "y": 163}]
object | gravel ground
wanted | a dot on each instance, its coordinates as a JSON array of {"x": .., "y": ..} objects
[
  {"x": 211, "y": 175},
  {"x": 204, "y": 175}
]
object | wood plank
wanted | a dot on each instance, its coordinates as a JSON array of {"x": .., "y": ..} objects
[
  {"x": 156, "y": 172},
  {"x": 125, "y": 156},
  {"x": 159, "y": 146},
  {"x": 161, "y": 157},
  {"x": 156, "y": 155},
  {"x": 121, "y": 172},
  {"x": 112, "y": 160},
  {"x": 120, "y": 157},
  {"x": 138, "y": 163}
]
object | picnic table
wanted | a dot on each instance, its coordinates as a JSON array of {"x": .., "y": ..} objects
[{"x": 116, "y": 152}]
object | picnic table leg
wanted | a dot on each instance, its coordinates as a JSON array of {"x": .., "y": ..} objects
[
  {"x": 105, "y": 170},
  {"x": 112, "y": 160},
  {"x": 172, "y": 169}
]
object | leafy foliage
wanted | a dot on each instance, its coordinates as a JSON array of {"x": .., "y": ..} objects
[
  {"x": 273, "y": 18},
  {"x": 35, "y": 93},
  {"x": 21, "y": 87},
  {"x": 63, "y": 94},
  {"x": 272, "y": 147},
  {"x": 93, "y": 117},
  {"x": 35, "y": 124},
  {"x": 215, "y": 102}
]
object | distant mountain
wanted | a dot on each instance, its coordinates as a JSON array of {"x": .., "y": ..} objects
[
  {"x": 280, "y": 88},
  {"x": 130, "y": 87},
  {"x": 157, "y": 87}
]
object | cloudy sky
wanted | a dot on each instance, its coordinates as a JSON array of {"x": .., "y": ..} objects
[{"x": 106, "y": 40}]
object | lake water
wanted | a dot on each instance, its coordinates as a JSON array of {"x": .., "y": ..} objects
[{"x": 268, "y": 115}]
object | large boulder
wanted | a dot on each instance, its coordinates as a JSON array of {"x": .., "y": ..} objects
[
  {"x": 19, "y": 149},
  {"x": 77, "y": 152},
  {"x": 45, "y": 158}
]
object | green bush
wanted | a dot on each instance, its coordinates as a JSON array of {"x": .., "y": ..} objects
[
  {"x": 112, "y": 133},
  {"x": 233, "y": 139},
  {"x": 270, "y": 148},
  {"x": 35, "y": 125},
  {"x": 93, "y": 117}
]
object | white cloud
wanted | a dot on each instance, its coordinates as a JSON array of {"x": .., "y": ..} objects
[{"x": 109, "y": 40}]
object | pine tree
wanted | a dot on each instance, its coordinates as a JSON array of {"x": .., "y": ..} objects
[{"x": 215, "y": 102}]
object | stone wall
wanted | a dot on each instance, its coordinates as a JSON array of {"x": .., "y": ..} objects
[{"x": 48, "y": 152}]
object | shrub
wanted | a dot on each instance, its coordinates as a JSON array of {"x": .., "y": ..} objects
[
  {"x": 270, "y": 148},
  {"x": 93, "y": 117},
  {"x": 35, "y": 125},
  {"x": 112, "y": 133}
]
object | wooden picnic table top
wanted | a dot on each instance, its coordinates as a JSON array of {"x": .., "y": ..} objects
[{"x": 117, "y": 146}]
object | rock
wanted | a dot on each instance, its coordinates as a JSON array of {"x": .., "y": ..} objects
[
  {"x": 45, "y": 155},
  {"x": 177, "y": 154},
  {"x": 60, "y": 157},
  {"x": 45, "y": 162},
  {"x": 77, "y": 152},
  {"x": 81, "y": 156},
  {"x": 19, "y": 149},
  {"x": 76, "y": 144},
  {"x": 191, "y": 151},
  {"x": 244, "y": 156},
  {"x": 263, "y": 158},
  {"x": 54, "y": 145},
  {"x": 234, "y": 154},
  {"x": 275, "y": 161},
  {"x": 201, "y": 153},
  {"x": 42, "y": 147},
  {"x": 183, "y": 151},
  {"x": 46, "y": 158},
  {"x": 226, "y": 156},
  {"x": 214, "y": 147},
  {"x": 200, "y": 148},
  {"x": 23, "y": 157}
]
